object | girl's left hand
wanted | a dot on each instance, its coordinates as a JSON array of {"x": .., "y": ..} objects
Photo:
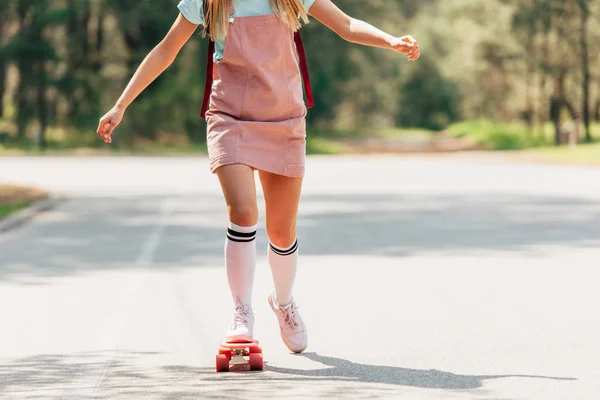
[{"x": 407, "y": 45}]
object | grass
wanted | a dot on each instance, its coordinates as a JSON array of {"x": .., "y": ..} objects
[
  {"x": 397, "y": 132},
  {"x": 68, "y": 141},
  {"x": 314, "y": 145},
  {"x": 527, "y": 145},
  {"x": 101, "y": 149},
  {"x": 14, "y": 198},
  {"x": 582, "y": 154},
  {"x": 320, "y": 145},
  {"x": 320, "y": 141},
  {"x": 6, "y": 210},
  {"x": 491, "y": 135}
]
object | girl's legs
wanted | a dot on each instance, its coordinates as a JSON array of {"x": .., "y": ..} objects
[
  {"x": 282, "y": 196},
  {"x": 237, "y": 183}
]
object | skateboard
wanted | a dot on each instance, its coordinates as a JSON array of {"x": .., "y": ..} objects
[{"x": 239, "y": 353}]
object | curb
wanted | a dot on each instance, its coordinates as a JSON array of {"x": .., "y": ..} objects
[{"x": 20, "y": 217}]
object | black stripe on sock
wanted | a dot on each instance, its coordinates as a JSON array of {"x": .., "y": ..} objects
[
  {"x": 238, "y": 240},
  {"x": 240, "y": 234},
  {"x": 285, "y": 252}
]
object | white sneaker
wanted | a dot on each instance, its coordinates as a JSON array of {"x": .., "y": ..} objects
[
  {"x": 292, "y": 328},
  {"x": 242, "y": 325}
]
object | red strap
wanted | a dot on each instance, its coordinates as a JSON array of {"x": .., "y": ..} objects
[
  {"x": 304, "y": 69},
  {"x": 209, "y": 79}
]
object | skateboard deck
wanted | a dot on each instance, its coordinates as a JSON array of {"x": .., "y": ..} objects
[{"x": 239, "y": 353}]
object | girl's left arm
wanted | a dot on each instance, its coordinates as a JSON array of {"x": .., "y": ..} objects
[{"x": 357, "y": 31}]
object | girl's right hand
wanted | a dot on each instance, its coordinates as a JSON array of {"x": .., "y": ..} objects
[
  {"x": 108, "y": 123},
  {"x": 408, "y": 46}
]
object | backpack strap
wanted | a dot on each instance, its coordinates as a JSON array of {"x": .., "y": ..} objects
[
  {"x": 304, "y": 69},
  {"x": 209, "y": 79}
]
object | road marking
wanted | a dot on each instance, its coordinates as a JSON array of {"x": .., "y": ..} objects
[{"x": 90, "y": 378}]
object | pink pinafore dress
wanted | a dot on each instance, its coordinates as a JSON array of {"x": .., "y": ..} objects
[{"x": 253, "y": 103}]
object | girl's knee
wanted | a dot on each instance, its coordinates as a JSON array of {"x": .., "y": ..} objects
[
  {"x": 245, "y": 214},
  {"x": 282, "y": 237}
]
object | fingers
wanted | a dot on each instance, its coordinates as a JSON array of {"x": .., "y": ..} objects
[
  {"x": 105, "y": 129},
  {"x": 100, "y": 128},
  {"x": 107, "y": 134},
  {"x": 408, "y": 39},
  {"x": 108, "y": 130},
  {"x": 414, "y": 53},
  {"x": 404, "y": 48},
  {"x": 409, "y": 46}
]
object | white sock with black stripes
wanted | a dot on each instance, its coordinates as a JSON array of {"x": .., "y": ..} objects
[
  {"x": 240, "y": 262},
  {"x": 283, "y": 264}
]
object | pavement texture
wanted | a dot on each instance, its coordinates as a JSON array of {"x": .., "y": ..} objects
[{"x": 453, "y": 277}]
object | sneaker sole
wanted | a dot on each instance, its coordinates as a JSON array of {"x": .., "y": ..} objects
[
  {"x": 238, "y": 339},
  {"x": 287, "y": 343}
]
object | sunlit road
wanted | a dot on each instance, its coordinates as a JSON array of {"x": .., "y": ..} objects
[{"x": 420, "y": 278}]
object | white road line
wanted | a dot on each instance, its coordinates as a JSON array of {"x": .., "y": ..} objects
[{"x": 90, "y": 378}]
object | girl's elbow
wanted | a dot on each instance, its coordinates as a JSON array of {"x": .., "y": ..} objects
[{"x": 346, "y": 32}]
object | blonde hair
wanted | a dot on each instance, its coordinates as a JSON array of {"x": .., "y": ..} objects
[{"x": 216, "y": 15}]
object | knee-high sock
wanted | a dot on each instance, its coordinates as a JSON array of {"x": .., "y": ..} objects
[
  {"x": 283, "y": 263},
  {"x": 240, "y": 262}
]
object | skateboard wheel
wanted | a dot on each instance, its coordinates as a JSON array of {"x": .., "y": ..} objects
[
  {"x": 254, "y": 349},
  {"x": 222, "y": 363},
  {"x": 226, "y": 352},
  {"x": 256, "y": 361}
]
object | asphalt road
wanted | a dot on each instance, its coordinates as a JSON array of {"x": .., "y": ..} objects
[{"x": 420, "y": 278}]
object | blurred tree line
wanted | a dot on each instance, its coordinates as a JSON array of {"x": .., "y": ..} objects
[{"x": 63, "y": 63}]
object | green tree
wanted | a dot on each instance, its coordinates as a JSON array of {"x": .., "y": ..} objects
[
  {"x": 428, "y": 99},
  {"x": 584, "y": 12},
  {"x": 81, "y": 82},
  {"x": 5, "y": 7},
  {"x": 167, "y": 105},
  {"x": 34, "y": 55}
]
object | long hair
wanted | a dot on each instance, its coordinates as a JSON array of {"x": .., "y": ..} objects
[{"x": 216, "y": 15}]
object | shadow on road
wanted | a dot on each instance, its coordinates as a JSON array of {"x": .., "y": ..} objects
[
  {"x": 90, "y": 234},
  {"x": 427, "y": 379},
  {"x": 139, "y": 375},
  {"x": 130, "y": 375}
]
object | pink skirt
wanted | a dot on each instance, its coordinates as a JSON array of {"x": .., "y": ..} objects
[{"x": 257, "y": 112}]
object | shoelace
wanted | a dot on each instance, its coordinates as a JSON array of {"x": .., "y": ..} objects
[
  {"x": 240, "y": 316},
  {"x": 290, "y": 316}
]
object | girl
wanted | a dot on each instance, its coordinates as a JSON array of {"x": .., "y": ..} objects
[{"x": 255, "y": 121}]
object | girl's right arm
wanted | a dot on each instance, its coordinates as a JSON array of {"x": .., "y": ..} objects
[
  {"x": 157, "y": 61},
  {"x": 357, "y": 31}
]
